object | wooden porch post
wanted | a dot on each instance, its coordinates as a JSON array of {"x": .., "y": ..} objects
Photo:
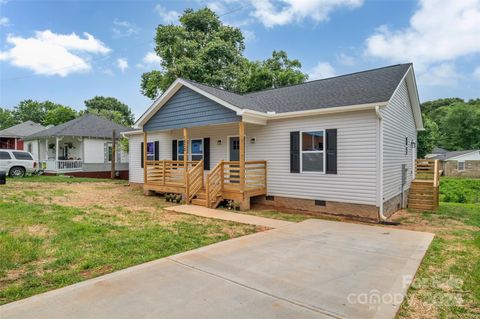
[
  {"x": 145, "y": 157},
  {"x": 185, "y": 161},
  {"x": 241, "y": 138}
]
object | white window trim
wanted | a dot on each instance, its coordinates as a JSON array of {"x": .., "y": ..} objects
[
  {"x": 458, "y": 166},
  {"x": 324, "y": 152},
  {"x": 190, "y": 148}
]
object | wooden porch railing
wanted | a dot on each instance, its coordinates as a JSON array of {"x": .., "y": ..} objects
[
  {"x": 194, "y": 181},
  {"x": 427, "y": 170},
  {"x": 166, "y": 172},
  {"x": 214, "y": 184},
  {"x": 255, "y": 175}
]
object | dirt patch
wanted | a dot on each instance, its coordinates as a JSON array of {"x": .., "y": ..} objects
[{"x": 40, "y": 231}]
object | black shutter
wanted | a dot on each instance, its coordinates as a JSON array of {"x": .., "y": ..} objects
[
  {"x": 174, "y": 150},
  {"x": 331, "y": 151},
  {"x": 157, "y": 150},
  {"x": 206, "y": 153},
  {"x": 141, "y": 154},
  {"x": 294, "y": 152}
]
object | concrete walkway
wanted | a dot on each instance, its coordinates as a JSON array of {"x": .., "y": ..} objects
[
  {"x": 230, "y": 216},
  {"x": 312, "y": 269}
]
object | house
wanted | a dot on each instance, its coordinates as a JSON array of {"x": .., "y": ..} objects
[
  {"x": 12, "y": 137},
  {"x": 342, "y": 145},
  {"x": 80, "y": 147},
  {"x": 458, "y": 163}
]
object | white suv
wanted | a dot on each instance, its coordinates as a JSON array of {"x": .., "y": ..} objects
[{"x": 17, "y": 163}]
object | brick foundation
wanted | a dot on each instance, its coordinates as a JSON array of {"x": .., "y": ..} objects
[
  {"x": 104, "y": 174},
  {"x": 472, "y": 169},
  {"x": 307, "y": 206}
]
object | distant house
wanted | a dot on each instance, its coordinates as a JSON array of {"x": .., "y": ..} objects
[
  {"x": 458, "y": 163},
  {"x": 12, "y": 138},
  {"x": 80, "y": 147},
  {"x": 341, "y": 145}
]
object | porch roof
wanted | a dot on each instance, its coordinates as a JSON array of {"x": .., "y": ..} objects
[{"x": 84, "y": 126}]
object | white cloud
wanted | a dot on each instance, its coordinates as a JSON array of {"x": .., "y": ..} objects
[
  {"x": 122, "y": 64},
  {"x": 124, "y": 28},
  {"x": 150, "y": 60},
  {"x": 443, "y": 74},
  {"x": 321, "y": 71},
  {"x": 249, "y": 35},
  {"x": 272, "y": 14},
  {"x": 49, "y": 53},
  {"x": 167, "y": 16},
  {"x": 346, "y": 59},
  {"x": 4, "y": 22},
  {"x": 439, "y": 32},
  {"x": 476, "y": 73}
]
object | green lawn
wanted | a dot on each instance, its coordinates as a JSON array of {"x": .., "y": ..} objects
[{"x": 50, "y": 238}]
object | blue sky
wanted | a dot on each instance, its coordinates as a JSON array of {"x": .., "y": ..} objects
[{"x": 70, "y": 51}]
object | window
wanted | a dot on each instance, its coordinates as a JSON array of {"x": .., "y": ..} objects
[
  {"x": 150, "y": 151},
  {"x": 196, "y": 150},
  {"x": 5, "y": 156},
  {"x": 313, "y": 155},
  {"x": 460, "y": 166},
  {"x": 22, "y": 156},
  {"x": 110, "y": 153},
  {"x": 30, "y": 147}
]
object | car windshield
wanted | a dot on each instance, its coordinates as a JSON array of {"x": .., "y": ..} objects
[{"x": 22, "y": 156}]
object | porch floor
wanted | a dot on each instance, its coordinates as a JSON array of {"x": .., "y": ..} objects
[{"x": 230, "y": 216}]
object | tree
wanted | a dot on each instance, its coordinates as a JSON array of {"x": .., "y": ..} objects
[
  {"x": 59, "y": 115},
  {"x": 110, "y": 108},
  {"x": 205, "y": 50},
  {"x": 274, "y": 72},
  {"x": 6, "y": 118},
  {"x": 428, "y": 138},
  {"x": 37, "y": 112},
  {"x": 460, "y": 128},
  {"x": 429, "y": 106}
]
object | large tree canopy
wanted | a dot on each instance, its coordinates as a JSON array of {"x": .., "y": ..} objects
[
  {"x": 205, "y": 50},
  {"x": 458, "y": 124},
  {"x": 6, "y": 118},
  {"x": 45, "y": 113},
  {"x": 110, "y": 108}
]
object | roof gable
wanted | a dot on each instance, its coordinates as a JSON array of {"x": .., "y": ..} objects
[{"x": 187, "y": 108}]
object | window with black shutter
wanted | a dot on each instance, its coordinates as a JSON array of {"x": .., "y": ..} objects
[{"x": 294, "y": 152}]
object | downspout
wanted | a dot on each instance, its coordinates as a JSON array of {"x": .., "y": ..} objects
[{"x": 381, "y": 216}]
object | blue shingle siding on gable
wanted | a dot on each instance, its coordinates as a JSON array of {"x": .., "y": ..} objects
[{"x": 188, "y": 108}]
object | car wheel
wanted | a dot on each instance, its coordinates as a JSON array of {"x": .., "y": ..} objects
[{"x": 17, "y": 171}]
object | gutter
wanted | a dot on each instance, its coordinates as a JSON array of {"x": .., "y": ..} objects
[{"x": 381, "y": 216}]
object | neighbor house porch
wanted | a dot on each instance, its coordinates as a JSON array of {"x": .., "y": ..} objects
[
  {"x": 188, "y": 172},
  {"x": 61, "y": 154}
]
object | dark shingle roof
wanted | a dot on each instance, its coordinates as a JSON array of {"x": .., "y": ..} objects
[
  {"x": 372, "y": 86},
  {"x": 22, "y": 129},
  {"x": 87, "y": 126}
]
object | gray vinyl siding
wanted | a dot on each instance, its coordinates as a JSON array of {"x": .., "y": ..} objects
[
  {"x": 188, "y": 108},
  {"x": 398, "y": 123},
  {"x": 356, "y": 158}
]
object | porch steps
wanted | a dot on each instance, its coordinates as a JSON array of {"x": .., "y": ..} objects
[
  {"x": 201, "y": 199},
  {"x": 423, "y": 195}
]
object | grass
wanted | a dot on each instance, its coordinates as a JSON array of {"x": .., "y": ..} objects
[
  {"x": 50, "y": 238},
  {"x": 460, "y": 190}
]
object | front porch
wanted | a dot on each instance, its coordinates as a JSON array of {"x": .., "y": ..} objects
[
  {"x": 236, "y": 180},
  {"x": 61, "y": 154}
]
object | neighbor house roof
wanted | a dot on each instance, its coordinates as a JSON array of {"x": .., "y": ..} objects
[
  {"x": 86, "y": 126},
  {"x": 356, "y": 91},
  {"x": 449, "y": 155},
  {"x": 21, "y": 130},
  {"x": 366, "y": 87}
]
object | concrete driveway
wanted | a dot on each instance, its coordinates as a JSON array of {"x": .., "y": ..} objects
[{"x": 313, "y": 269}]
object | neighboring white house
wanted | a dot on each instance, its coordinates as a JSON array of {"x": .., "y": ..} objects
[
  {"x": 80, "y": 147},
  {"x": 342, "y": 145},
  {"x": 12, "y": 137}
]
